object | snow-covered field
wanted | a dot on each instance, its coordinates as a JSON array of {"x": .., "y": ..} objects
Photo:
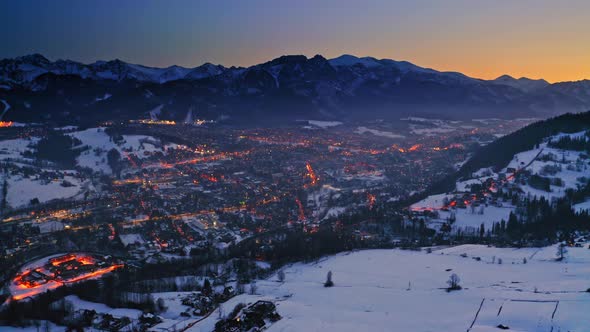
[
  {"x": 65, "y": 184},
  {"x": 431, "y": 202},
  {"x": 43, "y": 327},
  {"x": 388, "y": 134},
  {"x": 100, "y": 143},
  {"x": 22, "y": 190},
  {"x": 80, "y": 304},
  {"x": 324, "y": 124},
  {"x": 470, "y": 221},
  {"x": 431, "y": 131},
  {"x": 14, "y": 148},
  {"x": 582, "y": 206},
  {"x": 394, "y": 290}
]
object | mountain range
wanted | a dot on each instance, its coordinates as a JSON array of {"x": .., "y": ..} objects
[{"x": 36, "y": 89}]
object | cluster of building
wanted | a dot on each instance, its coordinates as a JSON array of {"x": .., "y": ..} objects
[
  {"x": 218, "y": 186},
  {"x": 55, "y": 271}
]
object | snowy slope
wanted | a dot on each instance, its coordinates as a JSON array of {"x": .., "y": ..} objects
[
  {"x": 569, "y": 167},
  {"x": 391, "y": 290},
  {"x": 350, "y": 60},
  {"x": 100, "y": 143}
]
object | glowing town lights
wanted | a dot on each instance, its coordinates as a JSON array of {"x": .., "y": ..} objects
[
  {"x": 5, "y": 124},
  {"x": 371, "y": 199},
  {"x": 452, "y": 146},
  {"x": 415, "y": 147},
  {"x": 57, "y": 272},
  {"x": 128, "y": 181},
  {"x": 311, "y": 174},
  {"x": 86, "y": 260},
  {"x": 154, "y": 122},
  {"x": 301, "y": 212},
  {"x": 63, "y": 259},
  {"x": 207, "y": 159},
  {"x": 210, "y": 178},
  {"x": 200, "y": 122},
  {"x": 96, "y": 273}
]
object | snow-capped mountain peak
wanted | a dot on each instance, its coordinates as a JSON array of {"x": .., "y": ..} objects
[
  {"x": 351, "y": 60},
  {"x": 205, "y": 70},
  {"x": 524, "y": 84},
  {"x": 25, "y": 69}
]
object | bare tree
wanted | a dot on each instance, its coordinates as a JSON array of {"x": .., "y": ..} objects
[
  {"x": 281, "y": 275},
  {"x": 253, "y": 288},
  {"x": 453, "y": 282},
  {"x": 561, "y": 252},
  {"x": 240, "y": 288},
  {"x": 329, "y": 282},
  {"x": 161, "y": 305}
]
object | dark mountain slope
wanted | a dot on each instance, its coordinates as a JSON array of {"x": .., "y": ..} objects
[{"x": 286, "y": 88}]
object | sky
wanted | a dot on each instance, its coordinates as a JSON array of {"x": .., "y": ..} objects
[{"x": 481, "y": 38}]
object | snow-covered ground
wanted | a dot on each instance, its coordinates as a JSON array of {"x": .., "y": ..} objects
[
  {"x": 469, "y": 221},
  {"x": 324, "y": 124},
  {"x": 100, "y": 308},
  {"x": 431, "y": 127},
  {"x": 155, "y": 113},
  {"x": 43, "y": 325},
  {"x": 319, "y": 201},
  {"x": 432, "y": 131},
  {"x": 14, "y": 148},
  {"x": 100, "y": 143},
  {"x": 582, "y": 206},
  {"x": 388, "y": 134},
  {"x": 68, "y": 183},
  {"x": 104, "y": 97},
  {"x": 394, "y": 290},
  {"x": 569, "y": 167},
  {"x": 22, "y": 190},
  {"x": 431, "y": 202}
]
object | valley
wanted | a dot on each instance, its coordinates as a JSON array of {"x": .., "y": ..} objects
[{"x": 185, "y": 205}]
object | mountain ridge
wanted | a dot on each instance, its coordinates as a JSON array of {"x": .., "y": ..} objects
[
  {"x": 287, "y": 87},
  {"x": 342, "y": 60}
]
